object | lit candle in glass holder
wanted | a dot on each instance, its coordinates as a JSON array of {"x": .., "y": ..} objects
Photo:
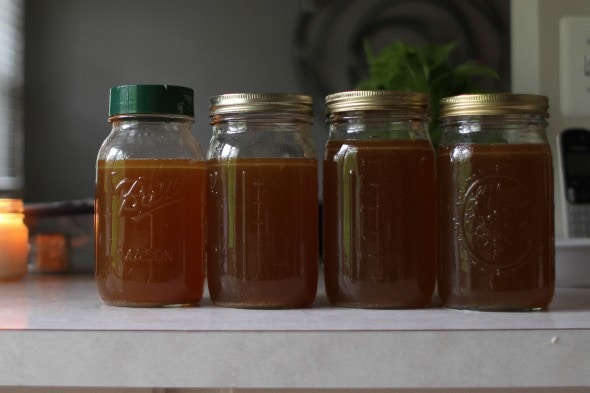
[{"x": 14, "y": 239}]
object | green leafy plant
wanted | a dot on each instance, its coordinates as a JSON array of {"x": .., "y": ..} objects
[{"x": 427, "y": 69}]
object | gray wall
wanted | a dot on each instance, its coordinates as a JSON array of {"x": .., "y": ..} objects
[{"x": 77, "y": 49}]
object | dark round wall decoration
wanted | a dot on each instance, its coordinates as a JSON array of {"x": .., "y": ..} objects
[{"x": 331, "y": 34}]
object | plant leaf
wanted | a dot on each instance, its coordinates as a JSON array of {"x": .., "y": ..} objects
[{"x": 399, "y": 66}]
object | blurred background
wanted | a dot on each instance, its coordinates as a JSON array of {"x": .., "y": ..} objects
[{"x": 76, "y": 50}]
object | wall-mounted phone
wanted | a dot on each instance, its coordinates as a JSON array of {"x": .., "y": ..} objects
[{"x": 574, "y": 159}]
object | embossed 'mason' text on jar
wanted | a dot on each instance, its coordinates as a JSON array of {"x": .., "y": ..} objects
[
  {"x": 150, "y": 191},
  {"x": 495, "y": 203}
]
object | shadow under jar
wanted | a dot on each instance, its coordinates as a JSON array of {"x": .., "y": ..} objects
[
  {"x": 379, "y": 200},
  {"x": 495, "y": 203},
  {"x": 262, "y": 208}
]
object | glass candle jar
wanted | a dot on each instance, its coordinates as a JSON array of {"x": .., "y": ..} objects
[
  {"x": 496, "y": 203},
  {"x": 150, "y": 189},
  {"x": 14, "y": 240},
  {"x": 379, "y": 201},
  {"x": 262, "y": 202}
]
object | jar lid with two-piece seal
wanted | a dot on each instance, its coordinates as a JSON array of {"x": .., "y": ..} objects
[{"x": 495, "y": 180}]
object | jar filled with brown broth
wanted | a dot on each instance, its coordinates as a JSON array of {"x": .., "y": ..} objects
[
  {"x": 149, "y": 199},
  {"x": 495, "y": 180},
  {"x": 262, "y": 201},
  {"x": 379, "y": 201}
]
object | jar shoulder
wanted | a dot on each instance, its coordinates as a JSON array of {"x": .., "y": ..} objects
[{"x": 150, "y": 142}]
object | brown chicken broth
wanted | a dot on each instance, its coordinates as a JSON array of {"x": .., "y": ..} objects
[
  {"x": 153, "y": 253},
  {"x": 496, "y": 226},
  {"x": 262, "y": 248},
  {"x": 379, "y": 223}
]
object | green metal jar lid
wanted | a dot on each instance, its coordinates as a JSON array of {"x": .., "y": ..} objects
[
  {"x": 260, "y": 102},
  {"x": 151, "y": 100},
  {"x": 494, "y": 104},
  {"x": 402, "y": 102}
]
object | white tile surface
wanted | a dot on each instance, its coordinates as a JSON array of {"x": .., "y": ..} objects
[
  {"x": 55, "y": 331},
  {"x": 72, "y": 303}
]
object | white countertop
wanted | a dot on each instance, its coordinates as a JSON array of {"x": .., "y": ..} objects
[{"x": 55, "y": 331}]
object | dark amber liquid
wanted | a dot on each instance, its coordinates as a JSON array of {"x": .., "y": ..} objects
[
  {"x": 496, "y": 226},
  {"x": 379, "y": 223},
  {"x": 262, "y": 244},
  {"x": 149, "y": 232}
]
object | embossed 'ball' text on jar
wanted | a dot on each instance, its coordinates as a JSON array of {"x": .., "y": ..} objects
[
  {"x": 150, "y": 191},
  {"x": 379, "y": 200},
  {"x": 262, "y": 201},
  {"x": 495, "y": 175}
]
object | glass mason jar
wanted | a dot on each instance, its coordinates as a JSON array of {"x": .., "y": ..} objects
[
  {"x": 379, "y": 201},
  {"x": 150, "y": 190},
  {"x": 496, "y": 203},
  {"x": 14, "y": 240},
  {"x": 262, "y": 202}
]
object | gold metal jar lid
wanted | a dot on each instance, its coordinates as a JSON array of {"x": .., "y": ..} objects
[
  {"x": 494, "y": 104},
  {"x": 260, "y": 102},
  {"x": 402, "y": 102}
]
